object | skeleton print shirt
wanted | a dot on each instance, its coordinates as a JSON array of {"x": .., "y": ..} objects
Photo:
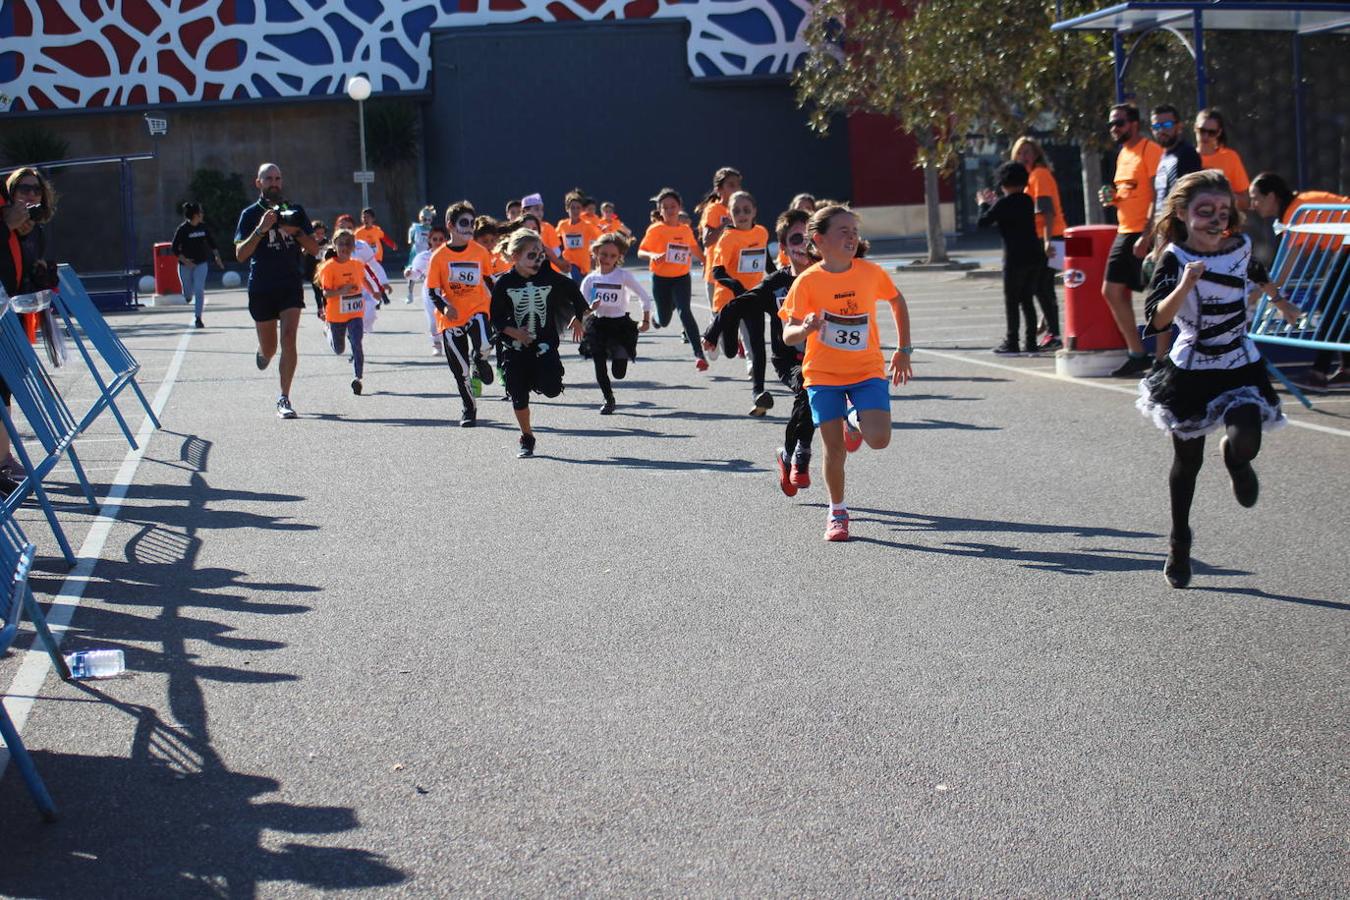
[
  {"x": 1212, "y": 321},
  {"x": 536, "y": 305}
]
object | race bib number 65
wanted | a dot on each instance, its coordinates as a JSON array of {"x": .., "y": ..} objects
[
  {"x": 677, "y": 254},
  {"x": 845, "y": 332}
]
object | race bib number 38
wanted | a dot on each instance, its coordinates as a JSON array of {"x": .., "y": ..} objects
[
  {"x": 845, "y": 332},
  {"x": 465, "y": 273},
  {"x": 677, "y": 254},
  {"x": 751, "y": 261}
]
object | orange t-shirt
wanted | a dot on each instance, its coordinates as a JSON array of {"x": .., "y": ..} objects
[
  {"x": 612, "y": 224},
  {"x": 1135, "y": 167},
  {"x": 348, "y": 279},
  {"x": 745, "y": 256},
  {"x": 374, "y": 236},
  {"x": 1227, "y": 161},
  {"x": 1041, "y": 183},
  {"x": 784, "y": 261},
  {"x": 460, "y": 275},
  {"x": 576, "y": 241},
  {"x": 549, "y": 235},
  {"x": 1318, "y": 241},
  {"x": 714, "y": 214},
  {"x": 677, "y": 247},
  {"x": 848, "y": 349}
]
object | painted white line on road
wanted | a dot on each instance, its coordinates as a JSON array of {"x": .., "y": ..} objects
[
  {"x": 1092, "y": 383},
  {"x": 22, "y": 692}
]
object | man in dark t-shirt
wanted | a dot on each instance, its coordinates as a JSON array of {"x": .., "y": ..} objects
[{"x": 272, "y": 236}]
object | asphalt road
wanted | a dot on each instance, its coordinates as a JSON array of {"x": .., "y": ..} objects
[{"x": 370, "y": 651}]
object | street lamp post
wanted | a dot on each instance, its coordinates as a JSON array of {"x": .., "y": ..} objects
[{"x": 358, "y": 88}]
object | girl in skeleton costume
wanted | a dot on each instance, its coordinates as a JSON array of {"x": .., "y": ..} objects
[
  {"x": 1213, "y": 378},
  {"x": 526, "y": 304},
  {"x": 610, "y": 333}
]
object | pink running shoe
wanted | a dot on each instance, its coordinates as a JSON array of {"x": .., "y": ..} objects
[
  {"x": 852, "y": 436},
  {"x": 784, "y": 481},
  {"x": 701, "y": 365},
  {"x": 801, "y": 475},
  {"x": 836, "y": 528}
]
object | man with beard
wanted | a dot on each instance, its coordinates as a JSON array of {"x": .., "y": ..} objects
[
  {"x": 271, "y": 235},
  {"x": 1131, "y": 193}
]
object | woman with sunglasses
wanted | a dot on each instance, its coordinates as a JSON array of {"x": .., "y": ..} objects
[
  {"x": 527, "y": 303},
  {"x": 1211, "y": 139}
]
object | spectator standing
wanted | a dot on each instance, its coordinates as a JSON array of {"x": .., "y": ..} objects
[
  {"x": 1211, "y": 139},
  {"x": 193, "y": 246},
  {"x": 1131, "y": 193},
  {"x": 1023, "y": 253},
  {"x": 1044, "y": 193},
  {"x": 1178, "y": 159}
]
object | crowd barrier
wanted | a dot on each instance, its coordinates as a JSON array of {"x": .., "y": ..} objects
[{"x": 1312, "y": 265}]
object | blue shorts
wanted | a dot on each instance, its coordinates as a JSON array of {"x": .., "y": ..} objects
[{"x": 829, "y": 402}]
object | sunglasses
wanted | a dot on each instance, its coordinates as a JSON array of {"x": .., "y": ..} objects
[
  {"x": 1209, "y": 132},
  {"x": 1164, "y": 125},
  {"x": 796, "y": 240},
  {"x": 1117, "y": 123}
]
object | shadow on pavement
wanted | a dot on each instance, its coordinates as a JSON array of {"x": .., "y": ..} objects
[
  {"x": 1266, "y": 595},
  {"x": 169, "y": 818},
  {"x": 729, "y": 466}
]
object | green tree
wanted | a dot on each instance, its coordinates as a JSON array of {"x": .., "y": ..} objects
[
  {"x": 32, "y": 144},
  {"x": 222, "y": 197},
  {"x": 393, "y": 142}
]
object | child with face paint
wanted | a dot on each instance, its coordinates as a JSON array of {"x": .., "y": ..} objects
[
  {"x": 739, "y": 262},
  {"x": 458, "y": 284},
  {"x": 610, "y": 334},
  {"x": 527, "y": 302},
  {"x": 1213, "y": 378}
]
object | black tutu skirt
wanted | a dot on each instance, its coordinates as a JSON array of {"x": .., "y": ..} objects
[
  {"x": 615, "y": 337},
  {"x": 1190, "y": 403}
]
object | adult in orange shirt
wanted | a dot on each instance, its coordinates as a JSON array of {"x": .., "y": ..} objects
[
  {"x": 1272, "y": 198},
  {"x": 1044, "y": 193},
  {"x": 459, "y": 285},
  {"x": 1211, "y": 139},
  {"x": 533, "y": 205},
  {"x": 577, "y": 234},
  {"x": 715, "y": 216},
  {"x": 374, "y": 235},
  {"x": 831, "y": 307},
  {"x": 342, "y": 281},
  {"x": 1131, "y": 193},
  {"x": 669, "y": 246}
]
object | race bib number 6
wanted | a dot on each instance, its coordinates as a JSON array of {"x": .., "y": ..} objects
[
  {"x": 465, "y": 273},
  {"x": 677, "y": 254},
  {"x": 751, "y": 261},
  {"x": 845, "y": 332}
]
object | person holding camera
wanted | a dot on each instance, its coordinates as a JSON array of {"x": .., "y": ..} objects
[
  {"x": 271, "y": 236},
  {"x": 193, "y": 246}
]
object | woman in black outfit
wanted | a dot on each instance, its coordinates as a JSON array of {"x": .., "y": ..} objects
[{"x": 193, "y": 246}]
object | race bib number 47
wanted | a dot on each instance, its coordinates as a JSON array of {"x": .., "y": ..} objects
[
  {"x": 845, "y": 332},
  {"x": 751, "y": 261}
]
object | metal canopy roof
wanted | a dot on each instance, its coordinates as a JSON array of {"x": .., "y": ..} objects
[{"x": 1305, "y": 19}]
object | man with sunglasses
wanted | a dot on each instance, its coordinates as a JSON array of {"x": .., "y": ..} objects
[{"x": 1131, "y": 193}]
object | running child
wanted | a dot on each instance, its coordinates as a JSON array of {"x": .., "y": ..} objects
[
  {"x": 610, "y": 334},
  {"x": 343, "y": 281},
  {"x": 460, "y": 219},
  {"x": 715, "y": 216},
  {"x": 832, "y": 308},
  {"x": 577, "y": 234},
  {"x": 739, "y": 262},
  {"x": 417, "y": 239},
  {"x": 1213, "y": 377},
  {"x": 533, "y": 205},
  {"x": 669, "y": 246},
  {"x": 610, "y": 221},
  {"x": 371, "y": 232},
  {"x": 311, "y": 261},
  {"x": 526, "y": 303},
  {"x": 416, "y": 270},
  {"x": 457, "y": 283}
]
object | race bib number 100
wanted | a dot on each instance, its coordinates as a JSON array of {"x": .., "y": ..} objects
[
  {"x": 751, "y": 261},
  {"x": 350, "y": 303},
  {"x": 845, "y": 332},
  {"x": 677, "y": 254}
]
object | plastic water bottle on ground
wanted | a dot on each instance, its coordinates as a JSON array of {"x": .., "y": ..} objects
[{"x": 96, "y": 663}]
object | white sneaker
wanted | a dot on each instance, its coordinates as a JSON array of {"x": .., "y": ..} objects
[{"x": 284, "y": 408}]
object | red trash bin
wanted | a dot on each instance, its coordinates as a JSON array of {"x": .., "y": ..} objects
[
  {"x": 166, "y": 271},
  {"x": 1088, "y": 323}
]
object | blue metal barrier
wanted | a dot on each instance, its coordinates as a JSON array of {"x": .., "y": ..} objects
[
  {"x": 16, "y": 599},
  {"x": 75, "y": 307},
  {"x": 1312, "y": 265},
  {"x": 49, "y": 417}
]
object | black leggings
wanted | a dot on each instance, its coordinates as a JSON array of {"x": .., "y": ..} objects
[
  {"x": 1045, "y": 297},
  {"x": 1243, "y": 429},
  {"x": 456, "y": 342},
  {"x": 673, "y": 294},
  {"x": 1019, "y": 288},
  {"x": 619, "y": 366}
]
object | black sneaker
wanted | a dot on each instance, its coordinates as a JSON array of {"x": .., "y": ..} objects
[
  {"x": 356, "y": 386},
  {"x": 260, "y": 361},
  {"x": 1007, "y": 348},
  {"x": 484, "y": 370},
  {"x": 763, "y": 403},
  {"x": 468, "y": 420},
  {"x": 198, "y": 323},
  {"x": 526, "y": 447},
  {"x": 1051, "y": 345},
  {"x": 1246, "y": 486},
  {"x": 608, "y": 408},
  {"x": 1177, "y": 569},
  {"x": 1133, "y": 365}
]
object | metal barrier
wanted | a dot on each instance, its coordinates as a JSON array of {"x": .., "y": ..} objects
[
  {"x": 75, "y": 307},
  {"x": 49, "y": 417},
  {"x": 1312, "y": 265}
]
